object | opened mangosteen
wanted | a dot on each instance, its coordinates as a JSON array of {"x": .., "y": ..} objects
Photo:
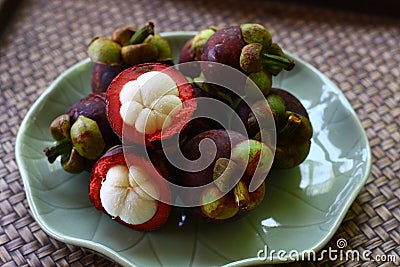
[
  {"x": 148, "y": 103},
  {"x": 235, "y": 177},
  {"x": 130, "y": 189}
]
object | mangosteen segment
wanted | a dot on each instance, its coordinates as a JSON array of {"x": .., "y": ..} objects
[
  {"x": 149, "y": 101},
  {"x": 126, "y": 193}
]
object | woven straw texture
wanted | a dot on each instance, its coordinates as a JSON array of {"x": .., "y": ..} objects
[{"x": 358, "y": 51}]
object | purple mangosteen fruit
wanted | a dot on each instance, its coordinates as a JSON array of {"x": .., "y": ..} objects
[{"x": 236, "y": 162}]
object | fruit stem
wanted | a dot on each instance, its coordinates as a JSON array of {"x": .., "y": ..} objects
[
  {"x": 242, "y": 197},
  {"x": 140, "y": 35},
  {"x": 62, "y": 147},
  {"x": 270, "y": 61},
  {"x": 292, "y": 123}
]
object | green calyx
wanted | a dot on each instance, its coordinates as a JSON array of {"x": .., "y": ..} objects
[
  {"x": 263, "y": 81},
  {"x": 254, "y": 58},
  {"x": 274, "y": 60},
  {"x": 129, "y": 46},
  {"x": 199, "y": 40},
  {"x": 278, "y": 108},
  {"x": 242, "y": 196},
  {"x": 73, "y": 162},
  {"x": 105, "y": 50},
  {"x": 139, "y": 53},
  {"x": 123, "y": 35},
  {"x": 75, "y": 143},
  {"x": 86, "y": 138},
  {"x": 255, "y": 156},
  {"x": 256, "y": 33},
  {"x": 217, "y": 206},
  {"x": 140, "y": 35},
  {"x": 60, "y": 126},
  {"x": 136, "y": 50},
  {"x": 225, "y": 174},
  {"x": 164, "y": 49},
  {"x": 250, "y": 58},
  {"x": 260, "y": 53},
  {"x": 232, "y": 178}
]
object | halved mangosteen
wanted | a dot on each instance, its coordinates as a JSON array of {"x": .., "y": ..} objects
[
  {"x": 130, "y": 189},
  {"x": 149, "y": 102}
]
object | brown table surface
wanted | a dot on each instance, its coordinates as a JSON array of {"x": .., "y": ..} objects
[{"x": 357, "y": 51}]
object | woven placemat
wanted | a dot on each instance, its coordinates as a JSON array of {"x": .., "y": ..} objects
[{"x": 359, "y": 52}]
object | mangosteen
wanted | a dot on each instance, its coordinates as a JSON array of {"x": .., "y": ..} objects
[
  {"x": 234, "y": 179},
  {"x": 148, "y": 103},
  {"x": 126, "y": 47},
  {"x": 82, "y": 134},
  {"x": 249, "y": 49},
  {"x": 129, "y": 188}
]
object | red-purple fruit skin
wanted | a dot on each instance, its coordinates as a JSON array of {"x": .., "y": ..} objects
[
  {"x": 223, "y": 143},
  {"x": 199, "y": 124},
  {"x": 292, "y": 103},
  {"x": 102, "y": 75},
  {"x": 223, "y": 140},
  {"x": 192, "y": 68},
  {"x": 185, "y": 55},
  {"x": 224, "y": 46},
  {"x": 243, "y": 110}
]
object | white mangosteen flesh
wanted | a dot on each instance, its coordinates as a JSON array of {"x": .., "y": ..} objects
[
  {"x": 129, "y": 194},
  {"x": 149, "y": 102}
]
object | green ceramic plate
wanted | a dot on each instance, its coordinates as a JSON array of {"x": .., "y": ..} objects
[{"x": 302, "y": 209}]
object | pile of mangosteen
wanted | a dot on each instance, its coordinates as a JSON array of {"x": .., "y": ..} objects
[{"x": 143, "y": 111}]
